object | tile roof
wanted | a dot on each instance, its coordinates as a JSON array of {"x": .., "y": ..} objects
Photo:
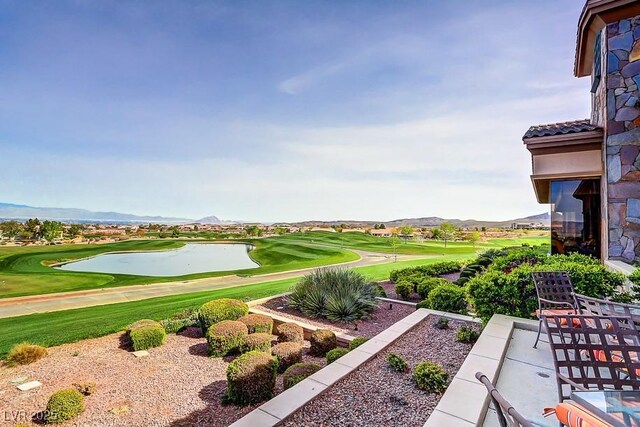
[{"x": 562, "y": 128}]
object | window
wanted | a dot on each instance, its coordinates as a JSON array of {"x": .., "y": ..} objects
[
  {"x": 597, "y": 63},
  {"x": 575, "y": 217}
]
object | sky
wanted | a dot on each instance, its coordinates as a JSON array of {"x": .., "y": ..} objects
[{"x": 282, "y": 110}]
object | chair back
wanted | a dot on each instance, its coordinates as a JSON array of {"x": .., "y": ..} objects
[
  {"x": 600, "y": 307},
  {"x": 507, "y": 414},
  {"x": 593, "y": 352},
  {"x": 553, "y": 286}
]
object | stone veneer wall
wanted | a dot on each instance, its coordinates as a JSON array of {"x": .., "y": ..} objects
[{"x": 623, "y": 138}]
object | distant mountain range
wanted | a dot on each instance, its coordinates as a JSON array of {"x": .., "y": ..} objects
[{"x": 10, "y": 211}]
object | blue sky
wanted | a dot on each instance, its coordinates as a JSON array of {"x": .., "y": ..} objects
[{"x": 282, "y": 110}]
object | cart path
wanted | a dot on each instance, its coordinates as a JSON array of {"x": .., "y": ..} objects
[{"x": 20, "y": 306}]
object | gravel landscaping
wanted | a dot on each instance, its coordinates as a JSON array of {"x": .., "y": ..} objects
[
  {"x": 381, "y": 318},
  {"x": 176, "y": 385},
  {"x": 375, "y": 394}
]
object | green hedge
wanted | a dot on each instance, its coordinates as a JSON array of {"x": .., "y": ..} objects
[
  {"x": 146, "y": 334},
  {"x": 226, "y": 337},
  {"x": 430, "y": 270},
  {"x": 221, "y": 309},
  {"x": 298, "y": 372},
  {"x": 336, "y": 354},
  {"x": 251, "y": 378},
  {"x": 448, "y": 297},
  {"x": 429, "y": 284}
]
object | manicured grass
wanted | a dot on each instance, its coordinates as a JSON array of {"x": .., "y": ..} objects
[
  {"x": 67, "y": 326},
  {"x": 24, "y": 270}
]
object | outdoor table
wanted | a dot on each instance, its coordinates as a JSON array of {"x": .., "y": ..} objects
[{"x": 618, "y": 408}]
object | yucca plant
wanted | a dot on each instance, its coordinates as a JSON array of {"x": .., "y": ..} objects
[{"x": 336, "y": 294}]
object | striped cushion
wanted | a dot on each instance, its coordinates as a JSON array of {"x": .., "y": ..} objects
[
  {"x": 559, "y": 312},
  {"x": 572, "y": 415}
]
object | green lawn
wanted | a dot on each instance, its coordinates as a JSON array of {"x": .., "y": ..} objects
[
  {"x": 67, "y": 326},
  {"x": 24, "y": 270}
]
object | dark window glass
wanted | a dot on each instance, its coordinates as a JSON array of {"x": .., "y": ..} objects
[
  {"x": 575, "y": 217},
  {"x": 597, "y": 63}
]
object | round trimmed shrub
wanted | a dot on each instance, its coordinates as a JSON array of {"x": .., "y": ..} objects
[
  {"x": 357, "y": 342},
  {"x": 296, "y": 373},
  {"x": 322, "y": 340},
  {"x": 226, "y": 337},
  {"x": 288, "y": 354},
  {"x": 404, "y": 289},
  {"x": 251, "y": 378},
  {"x": 257, "y": 323},
  {"x": 25, "y": 353},
  {"x": 64, "y": 405},
  {"x": 221, "y": 309},
  {"x": 335, "y": 354},
  {"x": 431, "y": 377},
  {"x": 428, "y": 284},
  {"x": 290, "y": 332},
  {"x": 257, "y": 342},
  {"x": 146, "y": 334},
  {"x": 449, "y": 298}
]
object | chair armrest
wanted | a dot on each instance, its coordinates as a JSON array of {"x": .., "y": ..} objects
[{"x": 571, "y": 383}]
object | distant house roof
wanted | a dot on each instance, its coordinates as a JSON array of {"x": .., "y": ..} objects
[{"x": 563, "y": 128}]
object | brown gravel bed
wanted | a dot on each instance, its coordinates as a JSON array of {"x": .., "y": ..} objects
[
  {"x": 374, "y": 394},
  {"x": 381, "y": 318},
  {"x": 177, "y": 385}
]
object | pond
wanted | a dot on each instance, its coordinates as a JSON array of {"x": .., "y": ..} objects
[{"x": 192, "y": 258}]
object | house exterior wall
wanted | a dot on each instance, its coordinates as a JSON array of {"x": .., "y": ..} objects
[{"x": 621, "y": 75}]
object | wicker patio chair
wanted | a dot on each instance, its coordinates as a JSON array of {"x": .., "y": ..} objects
[
  {"x": 593, "y": 352},
  {"x": 555, "y": 295},
  {"x": 507, "y": 414},
  {"x": 600, "y": 307}
]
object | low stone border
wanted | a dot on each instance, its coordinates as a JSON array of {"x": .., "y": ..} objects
[
  {"x": 397, "y": 301},
  {"x": 289, "y": 401},
  {"x": 466, "y": 400}
]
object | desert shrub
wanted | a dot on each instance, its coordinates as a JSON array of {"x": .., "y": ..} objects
[
  {"x": 226, "y": 337},
  {"x": 380, "y": 292},
  {"x": 335, "y": 354},
  {"x": 404, "y": 289},
  {"x": 220, "y": 309},
  {"x": 290, "y": 332},
  {"x": 515, "y": 258},
  {"x": 145, "y": 334},
  {"x": 257, "y": 323},
  {"x": 322, "y": 340},
  {"x": 431, "y": 270},
  {"x": 430, "y": 377},
  {"x": 64, "y": 405},
  {"x": 25, "y": 353},
  {"x": 86, "y": 389},
  {"x": 357, "y": 342},
  {"x": 336, "y": 294},
  {"x": 298, "y": 372},
  {"x": 180, "y": 321},
  {"x": 467, "y": 334},
  {"x": 259, "y": 341},
  {"x": 422, "y": 304},
  {"x": 513, "y": 293},
  {"x": 449, "y": 298},
  {"x": 288, "y": 354},
  {"x": 251, "y": 378},
  {"x": 429, "y": 284},
  {"x": 397, "y": 363},
  {"x": 441, "y": 323}
]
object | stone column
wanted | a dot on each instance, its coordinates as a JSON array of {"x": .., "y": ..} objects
[{"x": 623, "y": 138}]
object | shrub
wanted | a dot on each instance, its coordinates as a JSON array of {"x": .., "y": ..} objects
[
  {"x": 397, "y": 363},
  {"x": 25, "y": 353},
  {"x": 298, "y": 372},
  {"x": 428, "y": 284},
  {"x": 259, "y": 341},
  {"x": 322, "y": 340},
  {"x": 180, "y": 321},
  {"x": 404, "y": 289},
  {"x": 441, "y": 323},
  {"x": 86, "y": 389},
  {"x": 336, "y": 294},
  {"x": 251, "y": 378},
  {"x": 449, "y": 298},
  {"x": 64, "y": 405},
  {"x": 380, "y": 292},
  {"x": 431, "y": 270},
  {"x": 226, "y": 337},
  {"x": 335, "y": 354},
  {"x": 467, "y": 334},
  {"x": 146, "y": 334},
  {"x": 290, "y": 332},
  {"x": 357, "y": 342},
  {"x": 634, "y": 278},
  {"x": 288, "y": 354},
  {"x": 422, "y": 304},
  {"x": 430, "y": 377},
  {"x": 220, "y": 309},
  {"x": 257, "y": 323}
]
